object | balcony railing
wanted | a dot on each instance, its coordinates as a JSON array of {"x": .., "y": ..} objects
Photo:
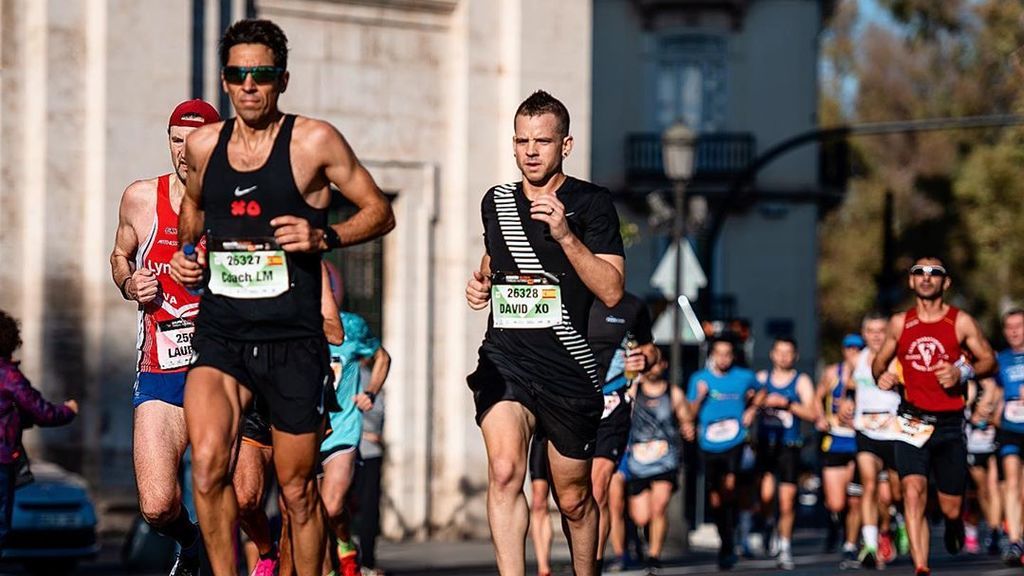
[{"x": 718, "y": 156}]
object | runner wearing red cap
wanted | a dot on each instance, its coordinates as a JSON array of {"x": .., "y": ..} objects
[
  {"x": 938, "y": 348},
  {"x": 147, "y": 236}
]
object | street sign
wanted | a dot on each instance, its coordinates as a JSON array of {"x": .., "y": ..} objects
[
  {"x": 693, "y": 275},
  {"x": 691, "y": 330}
]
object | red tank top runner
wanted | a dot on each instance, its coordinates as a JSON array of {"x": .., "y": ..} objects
[
  {"x": 165, "y": 324},
  {"x": 922, "y": 347}
]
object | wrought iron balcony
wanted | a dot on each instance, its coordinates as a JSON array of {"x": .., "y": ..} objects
[{"x": 718, "y": 156}]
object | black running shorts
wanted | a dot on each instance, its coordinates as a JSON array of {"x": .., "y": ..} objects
[
  {"x": 613, "y": 431},
  {"x": 944, "y": 455},
  {"x": 291, "y": 376},
  {"x": 570, "y": 423}
]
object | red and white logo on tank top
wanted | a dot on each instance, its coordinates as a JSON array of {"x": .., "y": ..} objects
[
  {"x": 925, "y": 353},
  {"x": 165, "y": 324}
]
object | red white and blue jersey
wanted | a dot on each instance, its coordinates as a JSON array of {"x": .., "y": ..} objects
[{"x": 165, "y": 324}]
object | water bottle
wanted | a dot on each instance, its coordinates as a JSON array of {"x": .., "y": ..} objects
[
  {"x": 631, "y": 344},
  {"x": 189, "y": 250}
]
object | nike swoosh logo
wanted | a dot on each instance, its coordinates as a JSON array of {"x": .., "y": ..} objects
[
  {"x": 567, "y": 214},
  {"x": 242, "y": 192}
]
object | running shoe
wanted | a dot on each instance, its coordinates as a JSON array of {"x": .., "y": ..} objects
[
  {"x": 785, "y": 560},
  {"x": 726, "y": 559},
  {"x": 971, "y": 544},
  {"x": 265, "y": 567},
  {"x": 954, "y": 536},
  {"x": 653, "y": 565},
  {"x": 902, "y": 539},
  {"x": 868, "y": 558},
  {"x": 922, "y": 571},
  {"x": 617, "y": 564},
  {"x": 886, "y": 551},
  {"x": 993, "y": 542},
  {"x": 849, "y": 561},
  {"x": 1013, "y": 553},
  {"x": 185, "y": 566},
  {"x": 348, "y": 562}
]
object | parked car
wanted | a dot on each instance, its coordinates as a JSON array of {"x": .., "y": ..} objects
[{"x": 54, "y": 522}]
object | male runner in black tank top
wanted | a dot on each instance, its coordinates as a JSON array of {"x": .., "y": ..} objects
[
  {"x": 552, "y": 245},
  {"x": 259, "y": 187}
]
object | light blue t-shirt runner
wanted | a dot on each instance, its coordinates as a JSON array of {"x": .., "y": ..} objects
[
  {"x": 347, "y": 424},
  {"x": 1010, "y": 378},
  {"x": 720, "y": 419}
]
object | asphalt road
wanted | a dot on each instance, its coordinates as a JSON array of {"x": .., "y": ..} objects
[{"x": 475, "y": 558}]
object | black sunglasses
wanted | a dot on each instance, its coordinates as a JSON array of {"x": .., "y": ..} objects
[
  {"x": 922, "y": 270},
  {"x": 260, "y": 74}
]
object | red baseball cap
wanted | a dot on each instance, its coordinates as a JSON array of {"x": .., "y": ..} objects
[{"x": 195, "y": 107}]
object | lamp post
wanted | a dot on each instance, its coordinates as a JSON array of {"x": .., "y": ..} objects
[{"x": 677, "y": 145}]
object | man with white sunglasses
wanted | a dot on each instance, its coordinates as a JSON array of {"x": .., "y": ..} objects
[{"x": 938, "y": 348}]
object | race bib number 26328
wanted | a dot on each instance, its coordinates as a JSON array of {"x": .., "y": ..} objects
[{"x": 525, "y": 301}]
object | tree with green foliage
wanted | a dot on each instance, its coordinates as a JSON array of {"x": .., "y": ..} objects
[{"x": 955, "y": 192}]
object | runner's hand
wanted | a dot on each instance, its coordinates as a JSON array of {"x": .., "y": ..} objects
[
  {"x": 689, "y": 431},
  {"x": 948, "y": 374},
  {"x": 821, "y": 424},
  {"x": 73, "y": 404},
  {"x": 636, "y": 361},
  {"x": 188, "y": 272},
  {"x": 748, "y": 416},
  {"x": 776, "y": 401},
  {"x": 888, "y": 381},
  {"x": 294, "y": 234},
  {"x": 478, "y": 291},
  {"x": 143, "y": 286},
  {"x": 550, "y": 211},
  {"x": 363, "y": 402}
]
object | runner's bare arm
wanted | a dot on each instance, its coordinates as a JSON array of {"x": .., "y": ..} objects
[
  {"x": 888, "y": 352},
  {"x": 984, "y": 363},
  {"x": 825, "y": 383},
  {"x": 478, "y": 290},
  {"x": 333, "y": 328},
  {"x": 990, "y": 396},
  {"x": 136, "y": 203},
  {"x": 678, "y": 398},
  {"x": 804, "y": 409},
  {"x": 379, "y": 372},
  {"x": 374, "y": 217}
]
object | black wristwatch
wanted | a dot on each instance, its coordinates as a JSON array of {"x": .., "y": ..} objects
[
  {"x": 331, "y": 238},
  {"x": 371, "y": 395}
]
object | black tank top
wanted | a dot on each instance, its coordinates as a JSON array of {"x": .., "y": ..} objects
[{"x": 240, "y": 205}]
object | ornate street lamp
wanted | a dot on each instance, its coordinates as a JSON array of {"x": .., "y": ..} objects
[{"x": 677, "y": 146}]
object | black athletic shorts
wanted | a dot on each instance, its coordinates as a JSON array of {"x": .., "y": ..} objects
[
  {"x": 570, "y": 423},
  {"x": 539, "y": 458},
  {"x": 718, "y": 465},
  {"x": 613, "y": 431},
  {"x": 779, "y": 460},
  {"x": 884, "y": 449},
  {"x": 637, "y": 485},
  {"x": 1010, "y": 444},
  {"x": 837, "y": 460},
  {"x": 291, "y": 376},
  {"x": 256, "y": 429},
  {"x": 944, "y": 455}
]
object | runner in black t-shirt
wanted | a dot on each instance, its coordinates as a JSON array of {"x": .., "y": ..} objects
[{"x": 552, "y": 245}]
